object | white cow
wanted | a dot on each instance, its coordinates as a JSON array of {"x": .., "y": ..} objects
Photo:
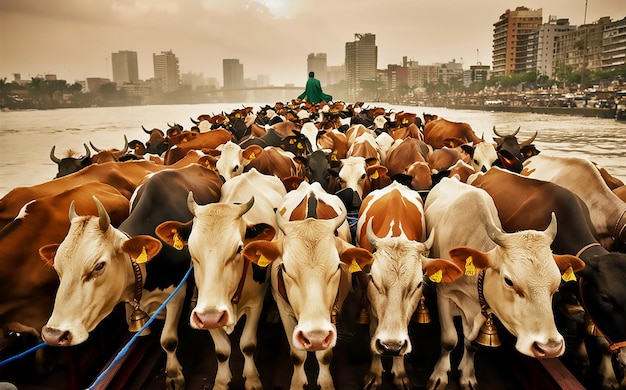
[
  {"x": 391, "y": 222},
  {"x": 520, "y": 274},
  {"x": 227, "y": 289},
  {"x": 583, "y": 178},
  {"x": 310, "y": 276}
]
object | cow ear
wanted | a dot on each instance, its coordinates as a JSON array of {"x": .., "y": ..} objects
[
  {"x": 356, "y": 258},
  {"x": 469, "y": 259},
  {"x": 440, "y": 270},
  {"x": 568, "y": 265},
  {"x": 209, "y": 162},
  {"x": 48, "y": 252},
  {"x": 292, "y": 182},
  {"x": 142, "y": 248},
  {"x": 260, "y": 231},
  {"x": 469, "y": 149},
  {"x": 376, "y": 171},
  {"x": 174, "y": 233},
  {"x": 251, "y": 152},
  {"x": 262, "y": 253}
]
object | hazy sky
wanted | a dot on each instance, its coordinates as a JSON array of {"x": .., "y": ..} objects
[{"x": 74, "y": 39}]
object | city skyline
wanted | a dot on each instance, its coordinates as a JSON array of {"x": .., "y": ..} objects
[{"x": 74, "y": 39}]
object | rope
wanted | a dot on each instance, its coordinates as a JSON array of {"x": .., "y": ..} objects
[
  {"x": 21, "y": 355},
  {"x": 125, "y": 349}
]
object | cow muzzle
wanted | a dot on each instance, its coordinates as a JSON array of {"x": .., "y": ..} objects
[
  {"x": 209, "y": 319},
  {"x": 314, "y": 340},
  {"x": 391, "y": 347},
  {"x": 56, "y": 337},
  {"x": 551, "y": 349}
]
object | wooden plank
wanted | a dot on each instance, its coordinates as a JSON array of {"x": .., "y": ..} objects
[{"x": 561, "y": 375}]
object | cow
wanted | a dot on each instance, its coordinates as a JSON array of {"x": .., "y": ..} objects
[
  {"x": 526, "y": 203},
  {"x": 273, "y": 160},
  {"x": 27, "y": 285},
  {"x": 317, "y": 168},
  {"x": 236, "y": 290},
  {"x": 510, "y": 275},
  {"x": 357, "y": 179},
  {"x": 391, "y": 224},
  {"x": 581, "y": 176},
  {"x": 407, "y": 158},
  {"x": 157, "y": 143},
  {"x": 510, "y": 149},
  {"x": 108, "y": 155},
  {"x": 124, "y": 176},
  {"x": 437, "y": 131},
  {"x": 209, "y": 140},
  {"x": 310, "y": 275},
  {"x": 70, "y": 164},
  {"x": 100, "y": 266}
]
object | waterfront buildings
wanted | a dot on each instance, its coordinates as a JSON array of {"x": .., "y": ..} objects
[
  {"x": 233, "y": 73},
  {"x": 166, "y": 72},
  {"x": 361, "y": 62},
  {"x": 125, "y": 67}
]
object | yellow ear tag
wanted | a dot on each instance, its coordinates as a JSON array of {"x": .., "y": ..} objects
[
  {"x": 436, "y": 277},
  {"x": 470, "y": 269},
  {"x": 300, "y": 145},
  {"x": 333, "y": 157},
  {"x": 292, "y": 141},
  {"x": 405, "y": 121},
  {"x": 374, "y": 175},
  {"x": 178, "y": 242},
  {"x": 143, "y": 256},
  {"x": 263, "y": 261},
  {"x": 354, "y": 267},
  {"x": 568, "y": 275},
  {"x": 252, "y": 156}
]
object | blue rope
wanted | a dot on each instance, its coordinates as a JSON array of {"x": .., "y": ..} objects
[
  {"x": 124, "y": 350},
  {"x": 21, "y": 355}
]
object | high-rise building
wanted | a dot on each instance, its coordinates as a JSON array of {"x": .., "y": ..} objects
[
  {"x": 361, "y": 61},
  {"x": 582, "y": 48},
  {"x": 316, "y": 62},
  {"x": 233, "y": 73},
  {"x": 166, "y": 72},
  {"x": 614, "y": 44},
  {"x": 549, "y": 35},
  {"x": 125, "y": 67},
  {"x": 514, "y": 41}
]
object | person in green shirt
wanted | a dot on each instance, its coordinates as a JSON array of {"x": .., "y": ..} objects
[{"x": 313, "y": 91}]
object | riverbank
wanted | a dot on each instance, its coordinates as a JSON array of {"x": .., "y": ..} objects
[{"x": 577, "y": 111}]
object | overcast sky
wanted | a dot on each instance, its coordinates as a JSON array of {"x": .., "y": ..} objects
[{"x": 74, "y": 39}]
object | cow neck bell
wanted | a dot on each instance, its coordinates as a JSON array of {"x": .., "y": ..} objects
[
  {"x": 364, "y": 317},
  {"x": 423, "y": 316},
  {"x": 137, "y": 321},
  {"x": 488, "y": 335}
]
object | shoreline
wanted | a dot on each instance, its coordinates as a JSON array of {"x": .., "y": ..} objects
[{"x": 579, "y": 111}]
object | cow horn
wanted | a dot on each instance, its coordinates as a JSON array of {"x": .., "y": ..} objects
[
  {"x": 551, "y": 229},
  {"x": 104, "y": 220},
  {"x": 516, "y": 131},
  {"x": 145, "y": 130},
  {"x": 73, "y": 211},
  {"x": 246, "y": 206},
  {"x": 431, "y": 239},
  {"x": 495, "y": 233},
  {"x": 53, "y": 157},
  {"x": 87, "y": 151},
  {"x": 93, "y": 147},
  {"x": 193, "y": 121},
  {"x": 496, "y": 133},
  {"x": 369, "y": 233},
  {"x": 529, "y": 141},
  {"x": 123, "y": 151},
  {"x": 191, "y": 203}
]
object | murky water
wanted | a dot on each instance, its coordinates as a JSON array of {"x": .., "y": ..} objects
[{"x": 26, "y": 137}]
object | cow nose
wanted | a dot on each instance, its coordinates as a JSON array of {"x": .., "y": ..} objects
[
  {"x": 391, "y": 347},
  {"x": 56, "y": 337},
  {"x": 211, "y": 320},
  {"x": 315, "y": 340},
  {"x": 552, "y": 348}
]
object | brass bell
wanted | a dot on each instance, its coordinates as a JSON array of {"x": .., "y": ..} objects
[
  {"x": 364, "y": 316},
  {"x": 137, "y": 320},
  {"x": 488, "y": 335},
  {"x": 423, "y": 316}
]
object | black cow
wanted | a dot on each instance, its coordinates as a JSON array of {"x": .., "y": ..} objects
[{"x": 70, "y": 164}]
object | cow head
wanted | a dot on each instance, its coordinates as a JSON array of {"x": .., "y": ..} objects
[
  {"x": 108, "y": 155},
  {"x": 521, "y": 275},
  {"x": 310, "y": 264},
  {"x": 95, "y": 271},
  {"x": 397, "y": 276},
  {"x": 70, "y": 164}
]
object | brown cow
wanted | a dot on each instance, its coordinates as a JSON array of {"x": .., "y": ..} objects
[
  {"x": 437, "y": 131},
  {"x": 209, "y": 140}
]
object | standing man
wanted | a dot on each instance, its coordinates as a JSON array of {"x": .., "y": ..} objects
[{"x": 313, "y": 91}]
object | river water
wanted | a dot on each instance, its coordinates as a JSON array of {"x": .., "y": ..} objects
[{"x": 26, "y": 137}]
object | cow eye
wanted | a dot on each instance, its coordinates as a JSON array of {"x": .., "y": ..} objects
[
  {"x": 363, "y": 176},
  {"x": 239, "y": 248},
  {"x": 508, "y": 282},
  {"x": 419, "y": 285},
  {"x": 99, "y": 266}
]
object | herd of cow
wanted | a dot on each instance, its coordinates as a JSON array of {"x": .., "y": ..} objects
[{"x": 314, "y": 203}]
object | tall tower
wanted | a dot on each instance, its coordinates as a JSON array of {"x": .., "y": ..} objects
[
  {"x": 514, "y": 41},
  {"x": 549, "y": 36},
  {"x": 361, "y": 61},
  {"x": 166, "y": 72},
  {"x": 125, "y": 68},
  {"x": 316, "y": 62},
  {"x": 233, "y": 73}
]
